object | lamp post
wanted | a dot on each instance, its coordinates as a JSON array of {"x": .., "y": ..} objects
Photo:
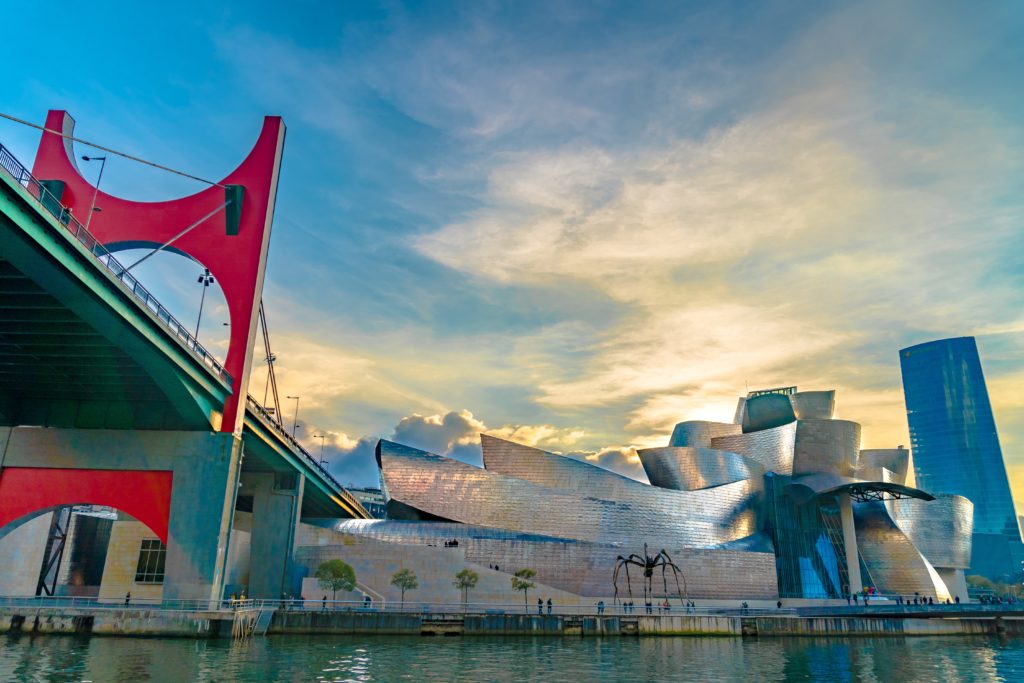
[
  {"x": 321, "y": 437},
  {"x": 96, "y": 189},
  {"x": 271, "y": 357},
  {"x": 205, "y": 279},
  {"x": 295, "y": 422}
]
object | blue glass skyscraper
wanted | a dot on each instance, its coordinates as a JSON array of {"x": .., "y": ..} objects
[{"x": 956, "y": 448}]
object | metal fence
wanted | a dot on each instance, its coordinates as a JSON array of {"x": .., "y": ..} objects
[
  {"x": 51, "y": 204},
  {"x": 270, "y": 421},
  {"x": 408, "y": 607}
]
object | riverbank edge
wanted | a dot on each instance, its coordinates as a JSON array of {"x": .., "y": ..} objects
[{"x": 143, "y": 622}]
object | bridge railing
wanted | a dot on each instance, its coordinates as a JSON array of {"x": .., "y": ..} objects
[
  {"x": 51, "y": 204},
  {"x": 273, "y": 423}
]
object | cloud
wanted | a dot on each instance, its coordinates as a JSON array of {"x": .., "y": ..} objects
[
  {"x": 452, "y": 432},
  {"x": 620, "y": 459}
]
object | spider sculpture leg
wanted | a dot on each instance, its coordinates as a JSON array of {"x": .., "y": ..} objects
[{"x": 676, "y": 571}]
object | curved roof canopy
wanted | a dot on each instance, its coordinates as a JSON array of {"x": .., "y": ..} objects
[{"x": 860, "y": 491}]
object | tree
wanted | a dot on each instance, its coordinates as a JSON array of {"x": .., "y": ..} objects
[
  {"x": 404, "y": 580},
  {"x": 521, "y": 582},
  {"x": 464, "y": 581},
  {"x": 335, "y": 575}
]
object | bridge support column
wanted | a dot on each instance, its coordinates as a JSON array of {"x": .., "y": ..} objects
[
  {"x": 203, "y": 481},
  {"x": 850, "y": 543},
  {"x": 276, "y": 507}
]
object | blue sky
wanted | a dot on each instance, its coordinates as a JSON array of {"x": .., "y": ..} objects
[{"x": 577, "y": 223}]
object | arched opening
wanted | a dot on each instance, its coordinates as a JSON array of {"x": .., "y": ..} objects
[
  {"x": 82, "y": 551},
  {"x": 173, "y": 278}
]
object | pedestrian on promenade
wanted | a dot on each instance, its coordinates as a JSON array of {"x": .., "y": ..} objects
[
  {"x": 600, "y": 606},
  {"x": 540, "y": 606},
  {"x": 127, "y": 598},
  {"x": 957, "y": 599},
  {"x": 549, "y": 605},
  {"x": 325, "y": 604},
  {"x": 668, "y": 606},
  {"x": 847, "y": 599},
  {"x": 779, "y": 604}
]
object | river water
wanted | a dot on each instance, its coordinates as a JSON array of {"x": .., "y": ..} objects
[{"x": 578, "y": 660}]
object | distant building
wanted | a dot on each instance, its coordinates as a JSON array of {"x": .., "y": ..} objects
[
  {"x": 956, "y": 448},
  {"x": 372, "y": 499}
]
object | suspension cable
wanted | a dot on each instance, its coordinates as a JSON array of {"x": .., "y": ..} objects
[{"x": 108, "y": 150}]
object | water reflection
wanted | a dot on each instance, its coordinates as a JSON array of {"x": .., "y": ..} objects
[{"x": 359, "y": 658}]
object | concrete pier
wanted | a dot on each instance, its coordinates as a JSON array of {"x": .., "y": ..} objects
[{"x": 151, "y": 621}]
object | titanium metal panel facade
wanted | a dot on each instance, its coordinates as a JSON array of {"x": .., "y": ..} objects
[
  {"x": 941, "y": 529},
  {"x": 689, "y": 469},
  {"x": 890, "y": 557},
  {"x": 557, "y": 471},
  {"x": 459, "y": 492},
  {"x": 873, "y": 461},
  {"x": 698, "y": 433},
  {"x": 772, "y": 448},
  {"x": 814, "y": 405},
  {"x": 826, "y": 446},
  {"x": 952, "y": 431},
  {"x": 767, "y": 411}
]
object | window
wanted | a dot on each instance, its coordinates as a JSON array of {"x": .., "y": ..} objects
[{"x": 151, "y": 562}]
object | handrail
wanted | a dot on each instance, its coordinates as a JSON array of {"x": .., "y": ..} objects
[
  {"x": 436, "y": 609},
  {"x": 51, "y": 204},
  {"x": 271, "y": 422}
]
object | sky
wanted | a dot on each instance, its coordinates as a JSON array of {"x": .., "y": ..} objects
[{"x": 574, "y": 224}]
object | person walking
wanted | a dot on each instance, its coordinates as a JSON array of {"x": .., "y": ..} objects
[
  {"x": 600, "y": 606},
  {"x": 127, "y": 598},
  {"x": 540, "y": 606},
  {"x": 325, "y": 603},
  {"x": 549, "y": 605}
]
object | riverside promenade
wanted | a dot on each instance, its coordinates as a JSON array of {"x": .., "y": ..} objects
[{"x": 256, "y": 618}]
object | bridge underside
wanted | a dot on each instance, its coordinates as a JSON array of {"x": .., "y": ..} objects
[{"x": 57, "y": 371}]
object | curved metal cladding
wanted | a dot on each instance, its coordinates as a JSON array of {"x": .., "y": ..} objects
[
  {"x": 456, "y": 491},
  {"x": 767, "y": 411},
  {"x": 893, "y": 562},
  {"x": 941, "y": 529},
  {"x": 699, "y": 433},
  {"x": 895, "y": 461},
  {"x": 826, "y": 446},
  {"x": 570, "y": 565},
  {"x": 772, "y": 448},
  {"x": 814, "y": 405},
  {"x": 690, "y": 469},
  {"x": 557, "y": 471}
]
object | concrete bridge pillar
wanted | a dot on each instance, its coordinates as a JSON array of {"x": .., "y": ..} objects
[
  {"x": 276, "y": 508},
  {"x": 203, "y": 471}
]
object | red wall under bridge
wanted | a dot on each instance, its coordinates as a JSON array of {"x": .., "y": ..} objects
[{"x": 143, "y": 494}]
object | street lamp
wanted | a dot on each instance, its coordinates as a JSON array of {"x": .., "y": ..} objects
[
  {"x": 295, "y": 422},
  {"x": 96, "y": 189},
  {"x": 321, "y": 437},
  {"x": 205, "y": 279},
  {"x": 269, "y": 360}
]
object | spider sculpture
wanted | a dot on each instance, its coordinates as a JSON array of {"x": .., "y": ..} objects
[{"x": 648, "y": 564}]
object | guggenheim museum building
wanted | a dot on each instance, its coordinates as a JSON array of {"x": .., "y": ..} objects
[{"x": 779, "y": 503}]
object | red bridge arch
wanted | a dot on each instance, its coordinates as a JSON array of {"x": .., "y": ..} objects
[
  {"x": 237, "y": 261},
  {"x": 143, "y": 494}
]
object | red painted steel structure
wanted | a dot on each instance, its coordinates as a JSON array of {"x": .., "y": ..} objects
[
  {"x": 237, "y": 261},
  {"x": 143, "y": 494}
]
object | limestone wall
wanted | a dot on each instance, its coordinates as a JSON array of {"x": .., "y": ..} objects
[{"x": 122, "y": 560}]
